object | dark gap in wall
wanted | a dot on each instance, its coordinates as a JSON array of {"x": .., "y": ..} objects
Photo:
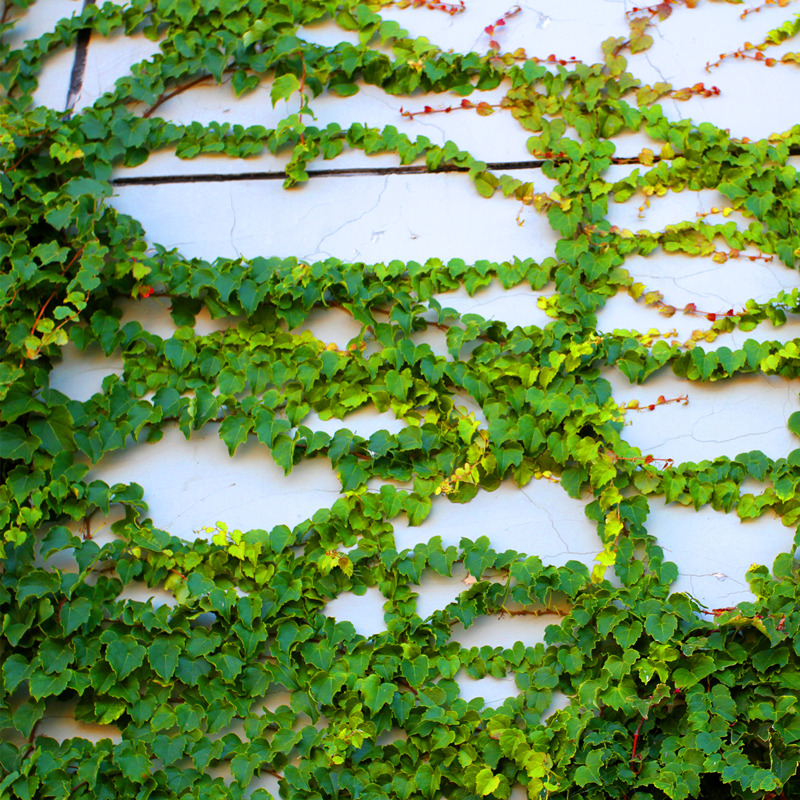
[
  {"x": 154, "y": 180},
  {"x": 79, "y": 64},
  {"x": 312, "y": 173}
]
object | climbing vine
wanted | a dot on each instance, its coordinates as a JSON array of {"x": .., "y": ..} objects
[{"x": 667, "y": 699}]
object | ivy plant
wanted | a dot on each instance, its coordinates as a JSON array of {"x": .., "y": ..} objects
[{"x": 666, "y": 699}]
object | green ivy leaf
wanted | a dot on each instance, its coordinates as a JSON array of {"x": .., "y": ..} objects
[
  {"x": 15, "y": 444},
  {"x": 415, "y": 671},
  {"x": 486, "y": 782},
  {"x": 180, "y": 353},
  {"x": 417, "y": 508},
  {"x": 15, "y": 670},
  {"x": 377, "y": 693},
  {"x": 234, "y": 430},
  {"x": 163, "y": 657},
  {"x": 759, "y": 204},
  {"x": 125, "y": 655},
  {"x": 661, "y": 626},
  {"x": 486, "y": 183},
  {"x": 75, "y": 613},
  {"x": 282, "y": 87},
  {"x": 42, "y": 684}
]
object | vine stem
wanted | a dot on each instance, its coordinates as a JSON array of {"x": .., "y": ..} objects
[
  {"x": 31, "y": 739},
  {"x": 24, "y": 155},
  {"x": 74, "y": 258},
  {"x": 77, "y": 255},
  {"x": 180, "y": 90},
  {"x": 302, "y": 95},
  {"x": 543, "y": 613},
  {"x": 636, "y": 738}
]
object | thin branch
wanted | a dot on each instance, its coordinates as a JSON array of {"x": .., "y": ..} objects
[{"x": 180, "y": 90}]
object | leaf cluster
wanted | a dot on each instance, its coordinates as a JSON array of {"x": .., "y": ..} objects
[{"x": 243, "y": 673}]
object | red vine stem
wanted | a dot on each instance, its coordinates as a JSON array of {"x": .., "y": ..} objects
[
  {"x": 636, "y": 738},
  {"x": 757, "y": 9},
  {"x": 662, "y": 401},
  {"x": 663, "y": 9},
  {"x": 668, "y": 462},
  {"x": 759, "y": 56},
  {"x": 490, "y": 29},
  {"x": 483, "y": 108}
]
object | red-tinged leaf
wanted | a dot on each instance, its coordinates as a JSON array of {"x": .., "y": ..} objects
[
  {"x": 466, "y": 103},
  {"x": 428, "y": 110},
  {"x": 489, "y": 29},
  {"x": 500, "y": 22},
  {"x": 729, "y": 312},
  {"x": 689, "y": 308},
  {"x": 651, "y": 407},
  {"x": 494, "y": 45},
  {"x": 711, "y": 317},
  {"x": 484, "y": 109},
  {"x": 146, "y": 291},
  {"x": 648, "y": 459}
]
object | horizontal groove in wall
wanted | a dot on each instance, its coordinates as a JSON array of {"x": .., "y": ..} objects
[{"x": 154, "y": 180}]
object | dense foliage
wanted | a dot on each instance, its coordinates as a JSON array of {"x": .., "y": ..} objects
[{"x": 664, "y": 701}]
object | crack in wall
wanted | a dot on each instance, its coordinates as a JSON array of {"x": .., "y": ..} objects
[{"x": 319, "y": 251}]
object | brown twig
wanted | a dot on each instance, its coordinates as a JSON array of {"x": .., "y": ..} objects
[{"x": 164, "y": 97}]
